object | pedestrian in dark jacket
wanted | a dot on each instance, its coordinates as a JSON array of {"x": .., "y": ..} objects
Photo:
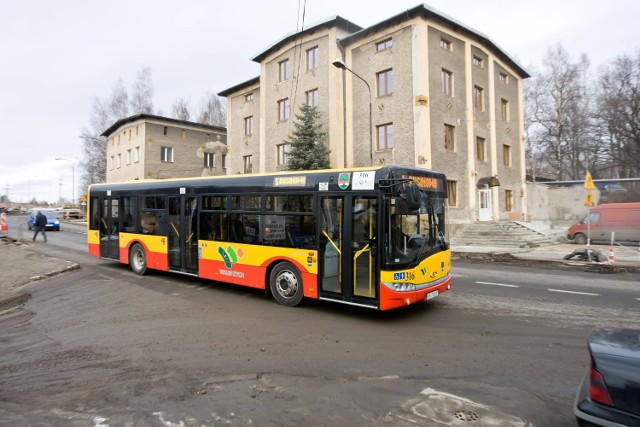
[{"x": 40, "y": 224}]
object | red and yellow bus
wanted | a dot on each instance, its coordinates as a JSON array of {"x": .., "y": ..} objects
[{"x": 371, "y": 237}]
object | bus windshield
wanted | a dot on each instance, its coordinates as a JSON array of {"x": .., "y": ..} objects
[{"x": 414, "y": 235}]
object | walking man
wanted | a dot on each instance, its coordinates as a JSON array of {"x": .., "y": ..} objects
[{"x": 40, "y": 225}]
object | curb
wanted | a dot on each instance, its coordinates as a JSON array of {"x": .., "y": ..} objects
[{"x": 72, "y": 267}]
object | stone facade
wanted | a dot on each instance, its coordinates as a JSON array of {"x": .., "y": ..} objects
[
  {"x": 483, "y": 100},
  {"x": 144, "y": 146}
]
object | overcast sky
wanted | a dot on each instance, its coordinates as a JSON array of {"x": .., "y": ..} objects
[{"x": 55, "y": 57}]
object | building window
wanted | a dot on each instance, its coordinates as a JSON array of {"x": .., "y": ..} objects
[
  {"x": 119, "y": 161},
  {"x": 166, "y": 129},
  {"x": 283, "y": 73},
  {"x": 445, "y": 44},
  {"x": 136, "y": 130},
  {"x": 506, "y": 155},
  {"x": 248, "y": 126},
  {"x": 312, "y": 98},
  {"x": 136, "y": 155},
  {"x": 478, "y": 98},
  {"x": 128, "y": 157},
  {"x": 129, "y": 134},
  {"x": 282, "y": 151},
  {"x": 385, "y": 82},
  {"x": 481, "y": 149},
  {"x": 384, "y": 44},
  {"x": 503, "y": 78},
  {"x": 166, "y": 154},
  {"x": 283, "y": 110},
  {"x": 477, "y": 61},
  {"x": 248, "y": 97},
  {"x": 385, "y": 137},
  {"x": 184, "y": 134},
  {"x": 248, "y": 164},
  {"x": 447, "y": 82},
  {"x": 508, "y": 200},
  {"x": 111, "y": 161},
  {"x": 452, "y": 193},
  {"x": 312, "y": 59},
  {"x": 449, "y": 137},
  {"x": 224, "y": 161},
  {"x": 504, "y": 109},
  {"x": 209, "y": 160}
]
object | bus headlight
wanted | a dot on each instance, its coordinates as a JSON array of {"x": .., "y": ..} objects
[{"x": 400, "y": 287}]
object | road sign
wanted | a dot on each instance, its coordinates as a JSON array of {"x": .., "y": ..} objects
[
  {"x": 588, "y": 182},
  {"x": 589, "y": 200}
]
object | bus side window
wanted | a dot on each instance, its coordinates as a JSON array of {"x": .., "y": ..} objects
[{"x": 148, "y": 222}]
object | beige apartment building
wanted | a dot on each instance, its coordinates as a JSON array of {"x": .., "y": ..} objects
[
  {"x": 145, "y": 146},
  {"x": 419, "y": 89}
]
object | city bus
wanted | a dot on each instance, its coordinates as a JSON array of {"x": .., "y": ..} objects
[{"x": 369, "y": 237}]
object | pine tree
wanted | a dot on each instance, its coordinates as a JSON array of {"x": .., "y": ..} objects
[{"x": 308, "y": 148}]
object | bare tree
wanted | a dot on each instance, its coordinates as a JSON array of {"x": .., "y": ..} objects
[
  {"x": 618, "y": 115},
  {"x": 105, "y": 113},
  {"x": 558, "y": 118},
  {"x": 119, "y": 103},
  {"x": 142, "y": 98},
  {"x": 212, "y": 110},
  {"x": 181, "y": 109}
]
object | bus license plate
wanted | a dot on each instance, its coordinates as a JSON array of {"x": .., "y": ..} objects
[{"x": 432, "y": 295}]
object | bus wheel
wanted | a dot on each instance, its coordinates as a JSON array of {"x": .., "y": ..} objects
[
  {"x": 286, "y": 284},
  {"x": 138, "y": 259},
  {"x": 580, "y": 239}
]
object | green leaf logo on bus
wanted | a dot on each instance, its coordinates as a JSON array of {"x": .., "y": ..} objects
[{"x": 230, "y": 256}]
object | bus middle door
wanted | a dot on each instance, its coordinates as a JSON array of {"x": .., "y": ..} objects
[
  {"x": 348, "y": 255},
  {"x": 182, "y": 233}
]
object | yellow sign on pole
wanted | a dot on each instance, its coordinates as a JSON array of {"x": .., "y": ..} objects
[
  {"x": 589, "y": 200},
  {"x": 588, "y": 182}
]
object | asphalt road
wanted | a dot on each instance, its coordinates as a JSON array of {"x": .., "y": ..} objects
[{"x": 101, "y": 346}]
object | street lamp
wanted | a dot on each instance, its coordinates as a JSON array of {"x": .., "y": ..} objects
[
  {"x": 73, "y": 179},
  {"x": 339, "y": 63}
]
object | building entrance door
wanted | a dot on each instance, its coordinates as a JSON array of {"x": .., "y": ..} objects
[{"x": 485, "y": 205}]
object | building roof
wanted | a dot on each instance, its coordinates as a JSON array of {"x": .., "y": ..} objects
[
  {"x": 428, "y": 12},
  {"x": 334, "y": 21},
  {"x": 251, "y": 82},
  {"x": 168, "y": 120}
]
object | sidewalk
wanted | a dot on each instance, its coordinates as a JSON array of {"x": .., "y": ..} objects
[
  {"x": 625, "y": 257},
  {"x": 19, "y": 266}
]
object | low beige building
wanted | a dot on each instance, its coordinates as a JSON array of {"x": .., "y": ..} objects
[
  {"x": 420, "y": 89},
  {"x": 145, "y": 146}
]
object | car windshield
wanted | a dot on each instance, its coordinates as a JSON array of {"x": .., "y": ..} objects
[{"x": 49, "y": 214}]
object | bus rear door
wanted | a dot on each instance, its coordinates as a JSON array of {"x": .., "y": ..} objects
[{"x": 109, "y": 228}]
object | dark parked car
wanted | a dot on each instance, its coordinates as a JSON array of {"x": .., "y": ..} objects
[
  {"x": 53, "y": 223},
  {"x": 609, "y": 394}
]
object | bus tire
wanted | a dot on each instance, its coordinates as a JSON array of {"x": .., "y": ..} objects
[
  {"x": 138, "y": 259},
  {"x": 580, "y": 239},
  {"x": 286, "y": 284}
]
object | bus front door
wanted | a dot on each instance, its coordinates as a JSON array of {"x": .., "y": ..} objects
[
  {"x": 109, "y": 229},
  {"x": 182, "y": 233},
  {"x": 347, "y": 233}
]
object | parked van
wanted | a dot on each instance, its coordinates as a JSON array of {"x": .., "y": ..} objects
[{"x": 623, "y": 219}]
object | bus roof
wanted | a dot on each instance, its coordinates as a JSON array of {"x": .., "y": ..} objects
[{"x": 331, "y": 179}]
